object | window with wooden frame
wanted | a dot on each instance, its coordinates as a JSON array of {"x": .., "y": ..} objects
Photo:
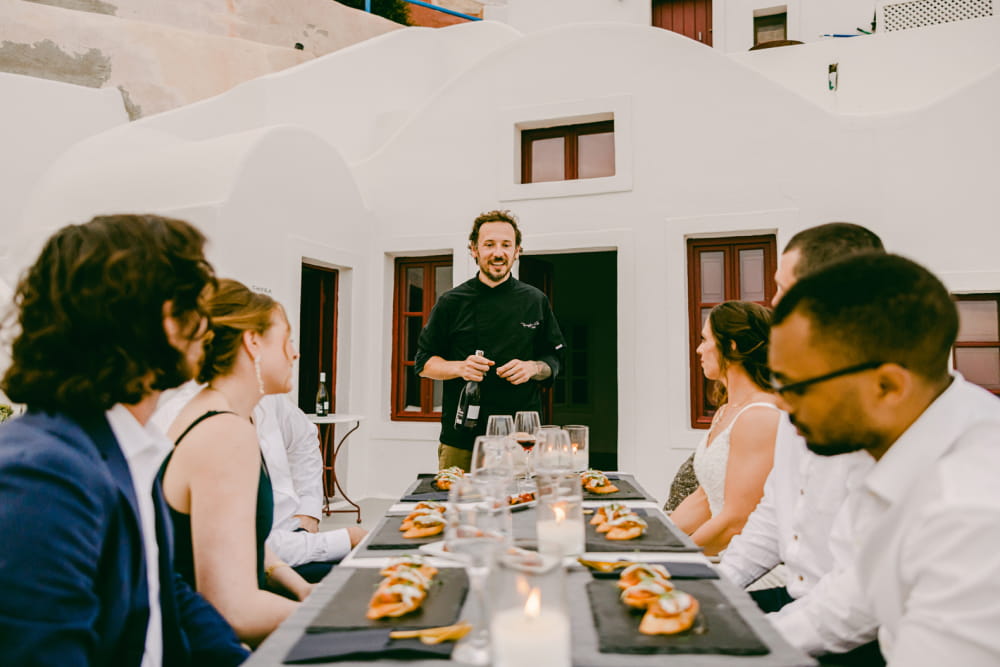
[
  {"x": 723, "y": 269},
  {"x": 771, "y": 27},
  {"x": 568, "y": 152},
  {"x": 977, "y": 350},
  {"x": 419, "y": 281}
]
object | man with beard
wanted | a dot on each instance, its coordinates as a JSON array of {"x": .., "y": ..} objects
[
  {"x": 793, "y": 522},
  {"x": 859, "y": 352},
  {"x": 109, "y": 315},
  {"x": 510, "y": 321}
]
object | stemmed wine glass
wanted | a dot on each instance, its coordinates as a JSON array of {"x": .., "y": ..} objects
[
  {"x": 526, "y": 426},
  {"x": 500, "y": 425},
  {"x": 476, "y": 530}
]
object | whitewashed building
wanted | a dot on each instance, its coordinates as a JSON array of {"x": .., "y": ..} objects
[{"x": 694, "y": 166}]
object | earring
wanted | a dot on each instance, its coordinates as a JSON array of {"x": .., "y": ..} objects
[{"x": 260, "y": 379}]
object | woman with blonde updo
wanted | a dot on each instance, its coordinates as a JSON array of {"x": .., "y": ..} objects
[
  {"x": 215, "y": 481},
  {"x": 734, "y": 458}
]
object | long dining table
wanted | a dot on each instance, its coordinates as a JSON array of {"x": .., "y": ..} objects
[{"x": 774, "y": 650}]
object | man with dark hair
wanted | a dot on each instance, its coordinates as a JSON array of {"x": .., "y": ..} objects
[
  {"x": 859, "y": 352},
  {"x": 510, "y": 321},
  {"x": 110, "y": 314},
  {"x": 794, "y": 522}
]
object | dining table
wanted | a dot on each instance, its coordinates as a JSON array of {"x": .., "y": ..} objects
[{"x": 731, "y": 608}]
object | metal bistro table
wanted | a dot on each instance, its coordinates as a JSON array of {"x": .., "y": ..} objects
[
  {"x": 585, "y": 641},
  {"x": 329, "y": 452}
]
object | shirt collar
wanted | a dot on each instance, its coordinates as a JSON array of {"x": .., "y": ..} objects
[
  {"x": 133, "y": 438},
  {"x": 505, "y": 285},
  {"x": 924, "y": 442}
]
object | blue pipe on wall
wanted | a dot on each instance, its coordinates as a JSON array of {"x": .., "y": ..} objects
[
  {"x": 444, "y": 10},
  {"x": 368, "y": 6}
]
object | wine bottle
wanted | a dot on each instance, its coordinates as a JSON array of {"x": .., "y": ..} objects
[
  {"x": 467, "y": 413},
  {"x": 322, "y": 397}
]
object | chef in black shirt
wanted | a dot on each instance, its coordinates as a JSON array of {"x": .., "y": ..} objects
[{"x": 510, "y": 321}]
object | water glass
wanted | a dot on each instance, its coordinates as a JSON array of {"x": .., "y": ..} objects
[
  {"x": 553, "y": 453},
  {"x": 500, "y": 425}
]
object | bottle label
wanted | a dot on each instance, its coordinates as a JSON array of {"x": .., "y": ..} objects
[{"x": 473, "y": 412}]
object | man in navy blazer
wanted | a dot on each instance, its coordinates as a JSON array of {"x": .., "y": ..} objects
[{"x": 108, "y": 316}]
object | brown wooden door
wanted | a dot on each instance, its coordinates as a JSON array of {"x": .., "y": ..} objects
[
  {"x": 317, "y": 335},
  {"x": 691, "y": 18}
]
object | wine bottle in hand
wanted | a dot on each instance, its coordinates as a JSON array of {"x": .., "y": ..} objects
[{"x": 467, "y": 414}]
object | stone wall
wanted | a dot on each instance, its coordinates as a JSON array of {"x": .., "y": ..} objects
[{"x": 164, "y": 55}]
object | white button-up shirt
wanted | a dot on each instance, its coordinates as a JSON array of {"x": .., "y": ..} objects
[
  {"x": 926, "y": 537},
  {"x": 794, "y": 519},
  {"x": 144, "y": 448}
]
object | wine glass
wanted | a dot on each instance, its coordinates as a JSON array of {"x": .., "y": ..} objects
[
  {"x": 500, "y": 425},
  {"x": 476, "y": 530},
  {"x": 526, "y": 428}
]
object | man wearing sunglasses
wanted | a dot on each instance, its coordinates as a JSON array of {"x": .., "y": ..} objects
[{"x": 859, "y": 352}]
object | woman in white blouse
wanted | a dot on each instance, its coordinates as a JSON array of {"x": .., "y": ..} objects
[{"x": 734, "y": 458}]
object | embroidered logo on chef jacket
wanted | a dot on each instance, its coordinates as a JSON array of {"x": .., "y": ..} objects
[{"x": 530, "y": 325}]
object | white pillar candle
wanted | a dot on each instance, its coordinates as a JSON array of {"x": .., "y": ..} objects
[
  {"x": 519, "y": 638},
  {"x": 560, "y": 538}
]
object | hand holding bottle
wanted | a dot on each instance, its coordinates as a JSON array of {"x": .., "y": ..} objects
[{"x": 475, "y": 367}]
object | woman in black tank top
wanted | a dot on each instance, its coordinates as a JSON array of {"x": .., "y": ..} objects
[{"x": 215, "y": 480}]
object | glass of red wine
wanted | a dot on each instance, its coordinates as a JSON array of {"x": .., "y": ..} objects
[{"x": 526, "y": 426}]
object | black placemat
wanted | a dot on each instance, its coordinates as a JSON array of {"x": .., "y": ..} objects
[
  {"x": 389, "y": 536},
  {"x": 626, "y": 491},
  {"x": 719, "y": 629},
  {"x": 676, "y": 570},
  {"x": 658, "y": 537},
  {"x": 348, "y": 606},
  {"x": 362, "y": 645},
  {"x": 423, "y": 489}
]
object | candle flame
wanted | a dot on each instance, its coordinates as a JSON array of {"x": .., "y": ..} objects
[
  {"x": 533, "y": 605},
  {"x": 560, "y": 513},
  {"x": 575, "y": 447}
]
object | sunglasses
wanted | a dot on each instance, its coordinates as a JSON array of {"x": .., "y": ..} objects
[{"x": 799, "y": 388}]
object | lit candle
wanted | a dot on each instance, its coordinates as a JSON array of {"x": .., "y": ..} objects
[
  {"x": 530, "y": 636},
  {"x": 560, "y": 536},
  {"x": 580, "y": 461}
]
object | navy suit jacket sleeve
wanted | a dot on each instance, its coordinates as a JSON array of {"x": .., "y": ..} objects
[{"x": 53, "y": 520}]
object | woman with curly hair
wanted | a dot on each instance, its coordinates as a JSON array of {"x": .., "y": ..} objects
[
  {"x": 734, "y": 458},
  {"x": 215, "y": 481}
]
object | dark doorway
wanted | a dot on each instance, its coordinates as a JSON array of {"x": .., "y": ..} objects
[
  {"x": 583, "y": 289},
  {"x": 317, "y": 335},
  {"x": 691, "y": 18}
]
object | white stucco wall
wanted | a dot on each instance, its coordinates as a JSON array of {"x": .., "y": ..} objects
[
  {"x": 706, "y": 146},
  {"x": 808, "y": 20},
  {"x": 34, "y": 130}
]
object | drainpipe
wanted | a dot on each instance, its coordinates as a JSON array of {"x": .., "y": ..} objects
[{"x": 442, "y": 9}]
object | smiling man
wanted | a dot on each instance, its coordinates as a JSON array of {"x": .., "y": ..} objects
[
  {"x": 510, "y": 321},
  {"x": 859, "y": 352}
]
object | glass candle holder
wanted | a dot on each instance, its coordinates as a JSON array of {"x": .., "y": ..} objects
[
  {"x": 530, "y": 622},
  {"x": 559, "y": 527},
  {"x": 579, "y": 439}
]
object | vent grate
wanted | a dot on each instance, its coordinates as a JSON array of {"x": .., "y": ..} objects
[{"x": 921, "y": 13}]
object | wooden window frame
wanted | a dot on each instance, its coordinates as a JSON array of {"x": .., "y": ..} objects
[
  {"x": 321, "y": 348},
  {"x": 730, "y": 246},
  {"x": 399, "y": 314},
  {"x": 995, "y": 297},
  {"x": 570, "y": 134}
]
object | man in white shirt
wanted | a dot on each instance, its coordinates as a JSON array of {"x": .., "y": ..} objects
[
  {"x": 860, "y": 353},
  {"x": 793, "y": 522},
  {"x": 290, "y": 445}
]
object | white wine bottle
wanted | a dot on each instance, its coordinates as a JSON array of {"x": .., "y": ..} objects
[
  {"x": 322, "y": 397},
  {"x": 467, "y": 413}
]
